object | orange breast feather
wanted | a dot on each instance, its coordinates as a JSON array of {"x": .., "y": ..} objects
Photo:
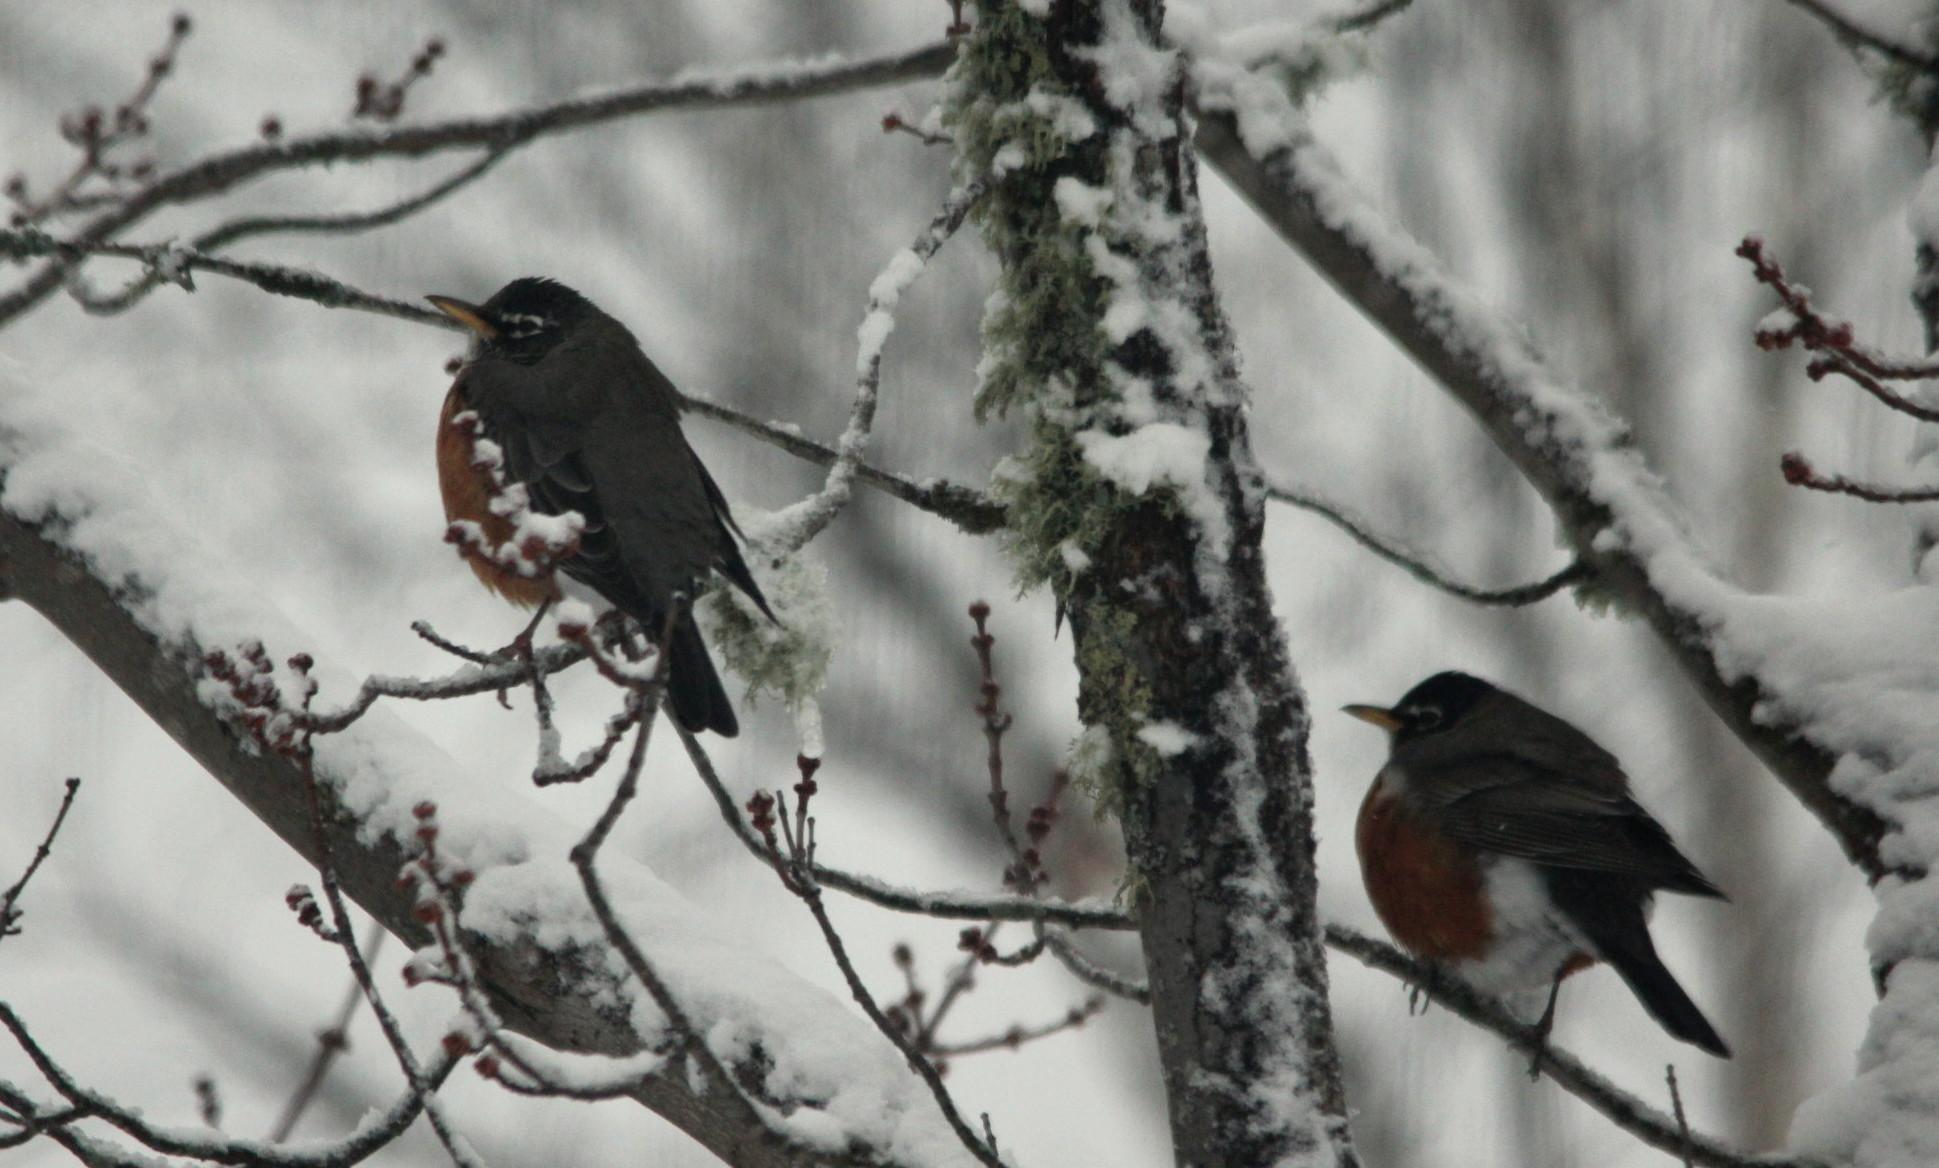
[
  {"x": 1427, "y": 894},
  {"x": 467, "y": 495}
]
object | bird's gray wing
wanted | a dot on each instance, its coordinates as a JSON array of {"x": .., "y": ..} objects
[{"x": 1509, "y": 805}]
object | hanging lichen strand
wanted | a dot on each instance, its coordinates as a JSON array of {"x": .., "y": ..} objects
[{"x": 1015, "y": 120}]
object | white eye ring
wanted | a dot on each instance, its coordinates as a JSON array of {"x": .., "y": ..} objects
[
  {"x": 1422, "y": 717},
  {"x": 520, "y": 324}
]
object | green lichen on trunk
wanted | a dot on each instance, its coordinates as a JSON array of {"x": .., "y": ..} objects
[{"x": 1023, "y": 106}]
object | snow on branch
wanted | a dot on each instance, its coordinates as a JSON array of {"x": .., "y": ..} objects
[{"x": 790, "y": 529}]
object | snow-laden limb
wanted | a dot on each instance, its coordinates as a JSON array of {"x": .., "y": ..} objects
[
  {"x": 216, "y": 173},
  {"x": 1137, "y": 501},
  {"x": 1584, "y": 462},
  {"x": 85, "y": 545}
]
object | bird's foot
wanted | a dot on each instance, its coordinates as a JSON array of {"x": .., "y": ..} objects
[{"x": 1543, "y": 1025}]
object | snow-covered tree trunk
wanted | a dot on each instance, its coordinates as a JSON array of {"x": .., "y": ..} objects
[{"x": 1139, "y": 502}]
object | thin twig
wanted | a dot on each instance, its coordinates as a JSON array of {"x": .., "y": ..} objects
[
  {"x": 331, "y": 1043},
  {"x": 969, "y": 509},
  {"x": 1017, "y": 1036},
  {"x": 303, "y": 754},
  {"x": 340, "y": 224},
  {"x": 1852, "y": 33},
  {"x": 8, "y": 913},
  {"x": 1368, "y": 18},
  {"x": 796, "y": 870},
  {"x": 584, "y": 857},
  {"x": 1676, "y": 1104},
  {"x": 959, "y": 906},
  {"x": 1799, "y": 472},
  {"x": 171, "y": 1141},
  {"x": 1416, "y": 565}
]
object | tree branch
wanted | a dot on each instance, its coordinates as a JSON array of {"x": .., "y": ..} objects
[
  {"x": 1417, "y": 565},
  {"x": 1625, "y": 1110},
  {"x": 1852, "y": 33}
]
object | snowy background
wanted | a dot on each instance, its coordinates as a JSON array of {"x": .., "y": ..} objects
[{"x": 1591, "y": 166}]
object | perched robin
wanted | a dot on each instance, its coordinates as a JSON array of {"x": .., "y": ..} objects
[
  {"x": 1502, "y": 843},
  {"x": 588, "y": 424}
]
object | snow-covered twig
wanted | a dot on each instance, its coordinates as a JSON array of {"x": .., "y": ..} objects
[
  {"x": 174, "y": 262},
  {"x": 794, "y": 526},
  {"x": 1420, "y": 566},
  {"x": 9, "y": 913},
  {"x": 500, "y": 674},
  {"x": 1090, "y": 972}
]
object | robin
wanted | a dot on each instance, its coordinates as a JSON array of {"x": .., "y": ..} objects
[
  {"x": 588, "y": 424},
  {"x": 1502, "y": 842}
]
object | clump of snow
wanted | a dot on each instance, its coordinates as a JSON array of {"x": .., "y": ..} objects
[
  {"x": 1081, "y": 203},
  {"x": 1158, "y": 453},
  {"x": 1167, "y": 738}
]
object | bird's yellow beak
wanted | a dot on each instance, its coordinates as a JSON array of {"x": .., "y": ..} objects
[
  {"x": 468, "y": 315},
  {"x": 1382, "y": 718}
]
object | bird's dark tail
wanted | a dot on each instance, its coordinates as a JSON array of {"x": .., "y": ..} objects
[
  {"x": 1660, "y": 994},
  {"x": 1612, "y": 920},
  {"x": 693, "y": 687}
]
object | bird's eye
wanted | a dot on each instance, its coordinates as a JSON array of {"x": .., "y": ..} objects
[
  {"x": 1422, "y": 717},
  {"x": 520, "y": 325}
]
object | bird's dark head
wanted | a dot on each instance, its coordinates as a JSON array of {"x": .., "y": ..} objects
[
  {"x": 522, "y": 321},
  {"x": 1434, "y": 705}
]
